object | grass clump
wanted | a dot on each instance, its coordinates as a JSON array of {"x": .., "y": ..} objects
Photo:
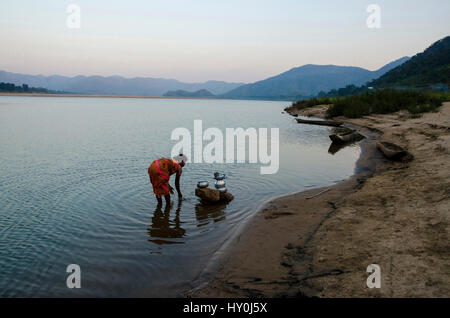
[
  {"x": 385, "y": 102},
  {"x": 302, "y": 104}
]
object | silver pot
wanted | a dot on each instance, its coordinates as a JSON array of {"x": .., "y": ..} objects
[
  {"x": 219, "y": 184},
  {"x": 223, "y": 190},
  {"x": 202, "y": 184},
  {"x": 219, "y": 176}
]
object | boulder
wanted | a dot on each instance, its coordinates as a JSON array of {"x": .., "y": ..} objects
[
  {"x": 226, "y": 197},
  {"x": 207, "y": 194}
]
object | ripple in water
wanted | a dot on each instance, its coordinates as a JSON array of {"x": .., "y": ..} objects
[{"x": 74, "y": 189}]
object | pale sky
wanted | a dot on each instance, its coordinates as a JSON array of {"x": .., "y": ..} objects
[{"x": 199, "y": 40}]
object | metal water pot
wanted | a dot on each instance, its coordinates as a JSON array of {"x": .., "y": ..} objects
[
  {"x": 220, "y": 182},
  {"x": 219, "y": 176},
  {"x": 202, "y": 184}
]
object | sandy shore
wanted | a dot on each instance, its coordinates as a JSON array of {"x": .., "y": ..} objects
[{"x": 389, "y": 213}]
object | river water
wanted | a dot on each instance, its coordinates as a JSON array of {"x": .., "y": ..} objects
[{"x": 74, "y": 189}]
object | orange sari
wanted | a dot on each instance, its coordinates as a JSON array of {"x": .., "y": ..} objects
[{"x": 160, "y": 171}]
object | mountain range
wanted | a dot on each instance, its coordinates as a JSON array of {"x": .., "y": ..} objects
[
  {"x": 114, "y": 85},
  {"x": 309, "y": 80},
  {"x": 297, "y": 83},
  {"x": 431, "y": 67}
]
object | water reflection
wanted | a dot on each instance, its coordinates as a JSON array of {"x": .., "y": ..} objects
[
  {"x": 337, "y": 146},
  {"x": 162, "y": 227},
  {"x": 206, "y": 213},
  {"x": 334, "y": 147}
]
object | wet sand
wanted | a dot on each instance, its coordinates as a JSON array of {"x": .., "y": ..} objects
[{"x": 392, "y": 214}]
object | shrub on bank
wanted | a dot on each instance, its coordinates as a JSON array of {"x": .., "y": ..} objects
[
  {"x": 302, "y": 104},
  {"x": 384, "y": 102}
]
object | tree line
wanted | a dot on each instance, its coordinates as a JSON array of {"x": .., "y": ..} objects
[{"x": 24, "y": 88}]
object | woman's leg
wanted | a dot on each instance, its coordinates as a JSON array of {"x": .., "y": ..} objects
[
  {"x": 158, "y": 198},
  {"x": 167, "y": 197}
]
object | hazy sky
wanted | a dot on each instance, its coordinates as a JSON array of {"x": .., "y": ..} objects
[{"x": 197, "y": 40}]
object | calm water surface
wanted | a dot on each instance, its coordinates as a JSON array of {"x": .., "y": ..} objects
[{"x": 74, "y": 189}]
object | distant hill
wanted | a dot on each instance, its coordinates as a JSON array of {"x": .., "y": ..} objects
[
  {"x": 114, "y": 85},
  {"x": 308, "y": 80},
  {"x": 423, "y": 70},
  {"x": 203, "y": 93}
]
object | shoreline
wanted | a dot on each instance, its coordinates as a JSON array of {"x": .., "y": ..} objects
[
  {"x": 133, "y": 96},
  {"x": 213, "y": 285},
  {"x": 320, "y": 247},
  {"x": 98, "y": 96}
]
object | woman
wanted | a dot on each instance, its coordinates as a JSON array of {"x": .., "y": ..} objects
[{"x": 160, "y": 171}]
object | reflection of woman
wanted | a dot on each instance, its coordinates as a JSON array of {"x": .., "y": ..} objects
[
  {"x": 160, "y": 171},
  {"x": 161, "y": 226}
]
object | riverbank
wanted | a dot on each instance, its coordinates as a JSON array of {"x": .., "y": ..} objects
[{"x": 392, "y": 214}]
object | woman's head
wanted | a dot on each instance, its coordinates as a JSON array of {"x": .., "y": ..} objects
[{"x": 181, "y": 159}]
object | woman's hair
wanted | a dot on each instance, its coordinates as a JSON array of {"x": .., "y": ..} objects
[{"x": 181, "y": 158}]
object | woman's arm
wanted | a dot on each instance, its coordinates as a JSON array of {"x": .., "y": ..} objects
[{"x": 177, "y": 183}]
